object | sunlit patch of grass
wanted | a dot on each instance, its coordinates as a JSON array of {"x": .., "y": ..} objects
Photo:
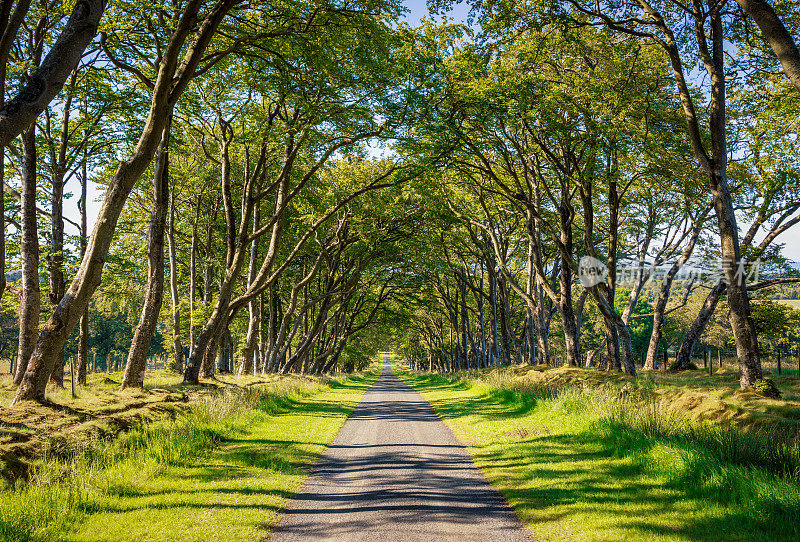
[
  {"x": 222, "y": 471},
  {"x": 601, "y": 462}
]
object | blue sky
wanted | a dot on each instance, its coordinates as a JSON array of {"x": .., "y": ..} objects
[{"x": 419, "y": 9}]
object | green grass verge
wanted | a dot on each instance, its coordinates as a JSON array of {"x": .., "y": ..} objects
[
  {"x": 223, "y": 471},
  {"x": 581, "y": 463}
]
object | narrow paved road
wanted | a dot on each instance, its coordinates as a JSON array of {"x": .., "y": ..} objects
[{"x": 395, "y": 472}]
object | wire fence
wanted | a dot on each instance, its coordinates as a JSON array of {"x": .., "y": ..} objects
[
  {"x": 113, "y": 362},
  {"x": 773, "y": 362}
]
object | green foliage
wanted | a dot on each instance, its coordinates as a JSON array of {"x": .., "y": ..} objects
[{"x": 767, "y": 388}]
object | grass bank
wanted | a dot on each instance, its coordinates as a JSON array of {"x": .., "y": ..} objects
[
  {"x": 99, "y": 411},
  {"x": 221, "y": 471},
  {"x": 590, "y": 460}
]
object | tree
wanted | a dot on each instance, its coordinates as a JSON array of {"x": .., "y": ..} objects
[{"x": 170, "y": 84}]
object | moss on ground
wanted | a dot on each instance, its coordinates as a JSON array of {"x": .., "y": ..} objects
[{"x": 69, "y": 425}]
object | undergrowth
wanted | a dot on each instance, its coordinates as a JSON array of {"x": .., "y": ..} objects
[
  {"x": 65, "y": 487},
  {"x": 754, "y": 471},
  {"x": 774, "y": 447}
]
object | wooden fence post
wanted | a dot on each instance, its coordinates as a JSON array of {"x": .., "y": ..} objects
[{"x": 72, "y": 375}]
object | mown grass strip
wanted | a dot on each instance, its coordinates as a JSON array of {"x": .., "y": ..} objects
[
  {"x": 575, "y": 469},
  {"x": 224, "y": 471}
]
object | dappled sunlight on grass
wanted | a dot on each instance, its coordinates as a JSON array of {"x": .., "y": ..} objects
[
  {"x": 571, "y": 472},
  {"x": 223, "y": 474}
]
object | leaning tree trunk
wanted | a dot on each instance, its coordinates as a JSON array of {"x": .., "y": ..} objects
[
  {"x": 49, "y": 78},
  {"x": 143, "y": 335},
  {"x": 248, "y": 363},
  {"x": 30, "y": 302},
  {"x": 698, "y": 325},
  {"x": 778, "y": 37}
]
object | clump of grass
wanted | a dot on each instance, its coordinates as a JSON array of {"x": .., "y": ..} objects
[
  {"x": 38, "y": 513},
  {"x": 756, "y": 468},
  {"x": 64, "y": 488},
  {"x": 767, "y": 388},
  {"x": 775, "y": 447}
]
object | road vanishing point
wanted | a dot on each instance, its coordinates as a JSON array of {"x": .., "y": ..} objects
[{"x": 396, "y": 473}]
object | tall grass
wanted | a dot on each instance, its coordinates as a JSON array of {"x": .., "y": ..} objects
[
  {"x": 755, "y": 468},
  {"x": 63, "y": 487}
]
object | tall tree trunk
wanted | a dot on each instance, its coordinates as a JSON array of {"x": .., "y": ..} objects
[
  {"x": 55, "y": 261},
  {"x": 495, "y": 357},
  {"x": 225, "y": 364},
  {"x": 2, "y": 218},
  {"x": 6, "y": 26},
  {"x": 566, "y": 214},
  {"x": 193, "y": 275},
  {"x": 154, "y": 295},
  {"x": 744, "y": 331},
  {"x": 261, "y": 356},
  {"x": 465, "y": 329},
  {"x": 777, "y": 36},
  {"x": 209, "y": 356},
  {"x": 209, "y": 352},
  {"x": 177, "y": 347},
  {"x": 613, "y": 346},
  {"x": 30, "y": 302},
  {"x": 714, "y": 161},
  {"x": 83, "y": 328},
  {"x": 248, "y": 362}
]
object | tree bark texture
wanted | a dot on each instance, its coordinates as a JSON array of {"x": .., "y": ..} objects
[
  {"x": 30, "y": 302},
  {"x": 154, "y": 295}
]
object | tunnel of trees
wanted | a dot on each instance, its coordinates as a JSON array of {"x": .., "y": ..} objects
[{"x": 293, "y": 186}]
